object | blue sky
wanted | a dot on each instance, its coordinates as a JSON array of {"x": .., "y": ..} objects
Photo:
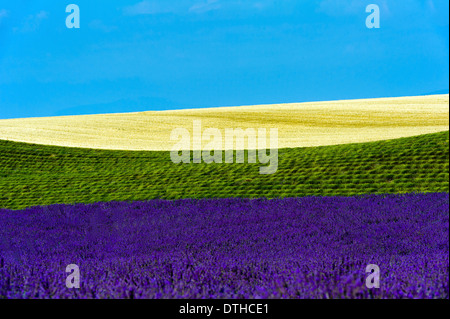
[{"x": 136, "y": 55}]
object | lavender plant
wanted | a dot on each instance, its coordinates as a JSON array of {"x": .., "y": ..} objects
[{"x": 312, "y": 247}]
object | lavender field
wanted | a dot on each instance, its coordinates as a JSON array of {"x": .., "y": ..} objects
[{"x": 313, "y": 247}]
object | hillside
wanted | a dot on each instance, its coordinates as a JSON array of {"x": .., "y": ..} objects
[
  {"x": 33, "y": 175},
  {"x": 299, "y": 125}
]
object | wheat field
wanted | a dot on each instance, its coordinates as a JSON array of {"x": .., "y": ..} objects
[{"x": 298, "y": 124}]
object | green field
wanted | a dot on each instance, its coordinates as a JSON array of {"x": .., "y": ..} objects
[{"x": 33, "y": 175}]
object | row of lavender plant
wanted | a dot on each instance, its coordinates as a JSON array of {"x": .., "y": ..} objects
[{"x": 313, "y": 247}]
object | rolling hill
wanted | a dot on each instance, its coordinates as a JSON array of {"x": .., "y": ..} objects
[
  {"x": 299, "y": 125},
  {"x": 33, "y": 175}
]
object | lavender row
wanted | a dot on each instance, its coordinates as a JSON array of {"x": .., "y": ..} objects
[{"x": 313, "y": 247}]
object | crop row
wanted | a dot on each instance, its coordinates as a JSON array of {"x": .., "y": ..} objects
[
  {"x": 38, "y": 175},
  {"x": 312, "y": 247}
]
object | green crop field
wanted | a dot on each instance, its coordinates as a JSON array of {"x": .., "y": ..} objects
[{"x": 33, "y": 175}]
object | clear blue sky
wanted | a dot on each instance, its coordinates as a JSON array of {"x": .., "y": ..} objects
[{"x": 136, "y": 55}]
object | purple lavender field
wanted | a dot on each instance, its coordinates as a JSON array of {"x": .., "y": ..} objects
[{"x": 313, "y": 247}]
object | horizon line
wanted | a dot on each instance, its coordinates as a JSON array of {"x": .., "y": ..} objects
[{"x": 231, "y": 106}]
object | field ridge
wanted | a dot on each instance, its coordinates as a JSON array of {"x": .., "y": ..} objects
[
  {"x": 32, "y": 175},
  {"x": 299, "y": 124}
]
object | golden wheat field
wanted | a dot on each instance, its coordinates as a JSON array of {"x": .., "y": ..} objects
[{"x": 298, "y": 124}]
